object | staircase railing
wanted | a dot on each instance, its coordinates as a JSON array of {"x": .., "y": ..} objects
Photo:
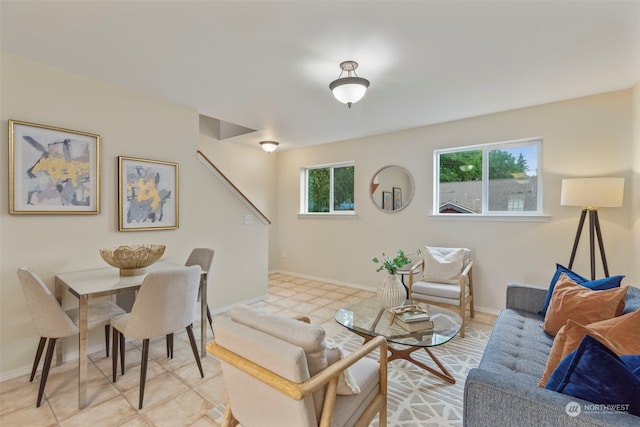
[{"x": 235, "y": 190}]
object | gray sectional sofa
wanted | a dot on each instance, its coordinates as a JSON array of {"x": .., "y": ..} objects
[{"x": 503, "y": 389}]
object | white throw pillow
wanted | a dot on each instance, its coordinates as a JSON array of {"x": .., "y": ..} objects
[
  {"x": 443, "y": 266},
  {"x": 347, "y": 384}
]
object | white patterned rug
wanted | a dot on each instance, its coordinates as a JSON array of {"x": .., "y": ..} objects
[{"x": 416, "y": 398}]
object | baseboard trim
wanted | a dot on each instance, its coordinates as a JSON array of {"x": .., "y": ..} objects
[{"x": 486, "y": 310}]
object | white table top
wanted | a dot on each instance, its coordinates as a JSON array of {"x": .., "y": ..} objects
[{"x": 106, "y": 280}]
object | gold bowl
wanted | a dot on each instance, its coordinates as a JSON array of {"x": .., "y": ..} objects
[{"x": 132, "y": 260}]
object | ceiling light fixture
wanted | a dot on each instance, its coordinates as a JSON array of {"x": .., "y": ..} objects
[
  {"x": 349, "y": 89},
  {"x": 269, "y": 146}
]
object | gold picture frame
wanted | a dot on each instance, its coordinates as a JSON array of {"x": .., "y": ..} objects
[
  {"x": 53, "y": 171},
  {"x": 147, "y": 194}
]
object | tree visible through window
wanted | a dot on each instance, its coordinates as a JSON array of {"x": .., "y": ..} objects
[
  {"x": 329, "y": 188},
  {"x": 492, "y": 178}
]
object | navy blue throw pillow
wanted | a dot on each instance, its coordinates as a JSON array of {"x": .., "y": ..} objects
[
  {"x": 595, "y": 373},
  {"x": 596, "y": 285}
]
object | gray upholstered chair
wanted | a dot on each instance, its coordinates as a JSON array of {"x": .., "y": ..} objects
[
  {"x": 444, "y": 277},
  {"x": 164, "y": 305},
  {"x": 52, "y": 322},
  {"x": 202, "y": 257},
  {"x": 279, "y": 372}
]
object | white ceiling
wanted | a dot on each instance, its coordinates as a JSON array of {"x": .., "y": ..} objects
[{"x": 267, "y": 65}]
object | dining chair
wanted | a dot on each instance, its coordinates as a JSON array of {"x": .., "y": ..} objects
[
  {"x": 164, "y": 305},
  {"x": 53, "y": 323},
  {"x": 444, "y": 277},
  {"x": 202, "y": 257}
]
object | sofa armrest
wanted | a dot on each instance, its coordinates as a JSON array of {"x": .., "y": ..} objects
[
  {"x": 526, "y": 297},
  {"x": 492, "y": 399}
]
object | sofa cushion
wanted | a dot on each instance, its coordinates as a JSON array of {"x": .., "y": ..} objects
[
  {"x": 621, "y": 334},
  {"x": 632, "y": 302},
  {"x": 595, "y": 373},
  {"x": 443, "y": 265},
  {"x": 596, "y": 285},
  {"x": 583, "y": 305},
  {"x": 517, "y": 347}
]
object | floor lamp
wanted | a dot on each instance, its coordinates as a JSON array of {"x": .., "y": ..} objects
[{"x": 592, "y": 194}]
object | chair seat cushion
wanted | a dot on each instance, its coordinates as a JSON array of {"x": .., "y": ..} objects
[
  {"x": 349, "y": 408},
  {"x": 120, "y": 322},
  {"x": 441, "y": 290},
  {"x": 98, "y": 314}
]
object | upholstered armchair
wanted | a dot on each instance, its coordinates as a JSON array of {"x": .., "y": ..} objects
[
  {"x": 444, "y": 277},
  {"x": 280, "y": 371}
]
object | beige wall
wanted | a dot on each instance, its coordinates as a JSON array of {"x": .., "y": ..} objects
[
  {"x": 130, "y": 124},
  {"x": 634, "y": 200},
  {"x": 582, "y": 137}
]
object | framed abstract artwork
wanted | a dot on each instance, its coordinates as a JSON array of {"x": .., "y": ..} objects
[
  {"x": 147, "y": 194},
  {"x": 387, "y": 201},
  {"x": 53, "y": 170},
  {"x": 397, "y": 198}
]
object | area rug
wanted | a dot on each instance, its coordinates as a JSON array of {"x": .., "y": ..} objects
[{"x": 417, "y": 398}]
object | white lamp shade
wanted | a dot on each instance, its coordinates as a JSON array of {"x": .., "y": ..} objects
[
  {"x": 592, "y": 192},
  {"x": 349, "y": 90}
]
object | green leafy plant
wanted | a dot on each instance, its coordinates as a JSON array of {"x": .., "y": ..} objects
[{"x": 393, "y": 264}]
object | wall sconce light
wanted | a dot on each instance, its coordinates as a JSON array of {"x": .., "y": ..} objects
[
  {"x": 349, "y": 89},
  {"x": 591, "y": 194},
  {"x": 269, "y": 146}
]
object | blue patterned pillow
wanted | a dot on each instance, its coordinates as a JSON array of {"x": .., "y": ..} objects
[
  {"x": 595, "y": 373},
  {"x": 595, "y": 285}
]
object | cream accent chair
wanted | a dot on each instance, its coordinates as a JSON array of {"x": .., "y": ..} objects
[
  {"x": 457, "y": 291},
  {"x": 202, "y": 257},
  {"x": 164, "y": 305},
  {"x": 52, "y": 322},
  {"x": 277, "y": 374}
]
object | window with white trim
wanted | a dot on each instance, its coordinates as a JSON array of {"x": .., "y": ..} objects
[
  {"x": 327, "y": 189},
  {"x": 503, "y": 178}
]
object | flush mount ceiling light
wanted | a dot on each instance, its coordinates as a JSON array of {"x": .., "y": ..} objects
[
  {"x": 269, "y": 146},
  {"x": 349, "y": 89}
]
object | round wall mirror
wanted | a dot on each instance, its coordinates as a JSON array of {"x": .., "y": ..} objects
[{"x": 392, "y": 188}]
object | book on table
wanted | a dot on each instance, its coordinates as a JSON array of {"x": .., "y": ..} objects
[
  {"x": 412, "y": 318},
  {"x": 415, "y": 325}
]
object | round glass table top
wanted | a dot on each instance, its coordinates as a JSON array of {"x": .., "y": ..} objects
[{"x": 368, "y": 317}]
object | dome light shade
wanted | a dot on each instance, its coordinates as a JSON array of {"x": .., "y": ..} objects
[
  {"x": 350, "y": 89},
  {"x": 269, "y": 146}
]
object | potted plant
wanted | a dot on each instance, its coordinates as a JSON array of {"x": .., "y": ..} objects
[{"x": 391, "y": 292}]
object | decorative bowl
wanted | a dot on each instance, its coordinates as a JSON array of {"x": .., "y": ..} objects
[{"x": 132, "y": 260}]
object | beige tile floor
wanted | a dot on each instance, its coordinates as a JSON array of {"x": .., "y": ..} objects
[{"x": 175, "y": 395}]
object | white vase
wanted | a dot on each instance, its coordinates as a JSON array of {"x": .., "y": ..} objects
[{"x": 391, "y": 292}]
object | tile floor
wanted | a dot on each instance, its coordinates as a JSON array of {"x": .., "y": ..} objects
[{"x": 175, "y": 395}]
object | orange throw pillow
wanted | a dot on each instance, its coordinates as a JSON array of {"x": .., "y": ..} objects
[
  {"x": 621, "y": 334},
  {"x": 572, "y": 301}
]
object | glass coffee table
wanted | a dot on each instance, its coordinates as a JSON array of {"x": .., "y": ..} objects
[{"x": 368, "y": 319}]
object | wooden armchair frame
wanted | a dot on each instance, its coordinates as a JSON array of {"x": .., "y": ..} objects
[
  {"x": 466, "y": 275},
  {"x": 328, "y": 376}
]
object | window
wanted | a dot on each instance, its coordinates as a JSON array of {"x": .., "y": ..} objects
[
  {"x": 501, "y": 178},
  {"x": 328, "y": 188}
]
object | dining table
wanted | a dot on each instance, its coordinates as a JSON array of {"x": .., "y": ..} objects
[{"x": 100, "y": 282}]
